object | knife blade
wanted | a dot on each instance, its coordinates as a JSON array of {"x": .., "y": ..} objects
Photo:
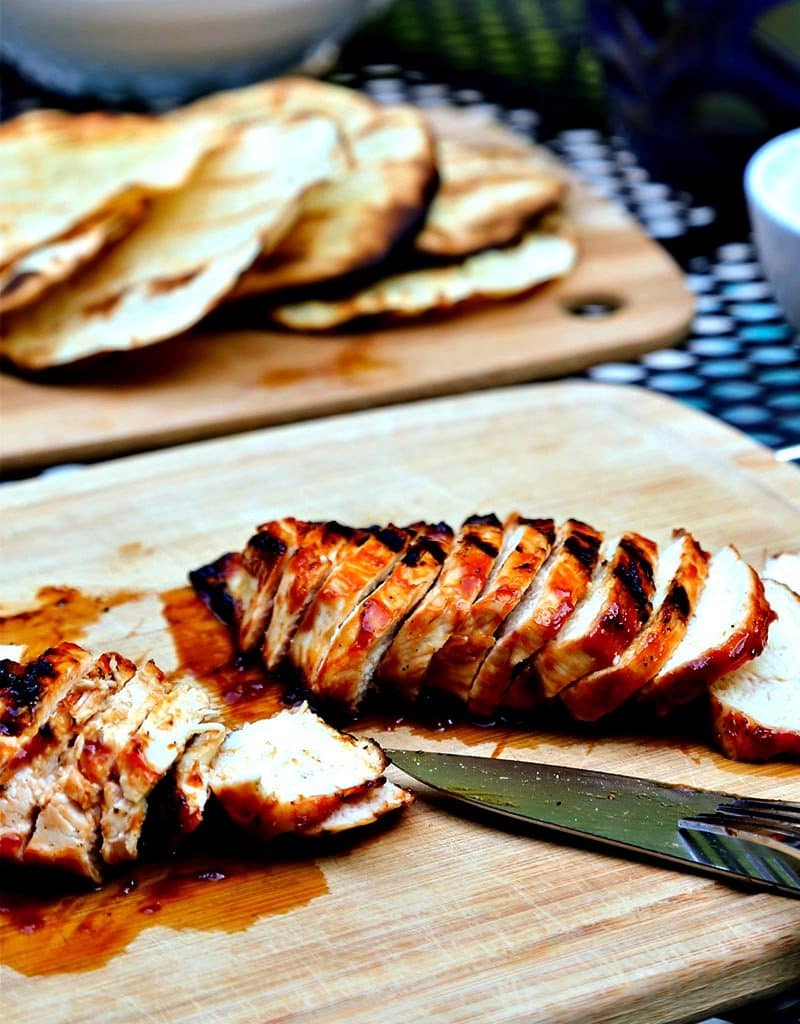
[{"x": 676, "y": 824}]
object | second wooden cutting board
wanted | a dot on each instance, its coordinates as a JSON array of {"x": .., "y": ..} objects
[
  {"x": 435, "y": 917},
  {"x": 205, "y": 384}
]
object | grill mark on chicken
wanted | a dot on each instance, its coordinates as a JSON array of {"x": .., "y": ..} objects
[
  {"x": 617, "y": 605},
  {"x": 31, "y": 695},
  {"x": 680, "y": 577},
  {"x": 424, "y": 545},
  {"x": 556, "y": 592},
  {"x": 729, "y": 627},
  {"x": 305, "y": 572},
  {"x": 210, "y": 582},
  {"x": 524, "y": 548},
  {"x": 34, "y": 772},
  {"x": 636, "y": 576},
  {"x": 443, "y": 609},
  {"x": 67, "y": 830},
  {"x": 361, "y": 567},
  {"x": 584, "y": 545},
  {"x": 477, "y": 520},
  {"x": 20, "y": 690},
  {"x": 350, "y": 664}
]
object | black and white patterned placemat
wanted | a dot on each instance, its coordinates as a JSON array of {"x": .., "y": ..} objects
[{"x": 741, "y": 361}]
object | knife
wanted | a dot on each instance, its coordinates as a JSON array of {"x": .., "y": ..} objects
[{"x": 736, "y": 838}]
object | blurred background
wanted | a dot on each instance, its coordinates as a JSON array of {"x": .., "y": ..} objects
[{"x": 659, "y": 103}]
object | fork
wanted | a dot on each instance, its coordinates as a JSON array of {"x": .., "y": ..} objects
[{"x": 758, "y": 838}]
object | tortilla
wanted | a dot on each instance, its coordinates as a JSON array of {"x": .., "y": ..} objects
[
  {"x": 353, "y": 221},
  {"x": 491, "y": 274},
  {"x": 351, "y": 110},
  {"x": 58, "y": 170},
  {"x": 488, "y": 194},
  {"x": 24, "y": 280},
  {"x": 187, "y": 253}
]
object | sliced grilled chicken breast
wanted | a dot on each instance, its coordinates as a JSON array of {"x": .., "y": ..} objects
[
  {"x": 67, "y": 829},
  {"x": 526, "y": 544},
  {"x": 142, "y": 763},
  {"x": 349, "y": 666},
  {"x": 305, "y": 571},
  {"x": 557, "y": 588},
  {"x": 291, "y": 772},
  {"x": 363, "y": 563},
  {"x": 755, "y": 710},
  {"x": 192, "y": 779},
  {"x": 444, "y": 608},
  {"x": 29, "y": 694},
  {"x": 364, "y": 810},
  {"x": 33, "y": 774},
  {"x": 616, "y": 607},
  {"x": 679, "y": 579},
  {"x": 728, "y": 628}
]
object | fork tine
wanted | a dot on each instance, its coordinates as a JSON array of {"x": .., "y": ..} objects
[
  {"x": 784, "y": 809},
  {"x": 737, "y": 816},
  {"x": 785, "y": 840}
]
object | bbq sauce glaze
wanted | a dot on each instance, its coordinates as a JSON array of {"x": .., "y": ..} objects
[{"x": 217, "y": 880}]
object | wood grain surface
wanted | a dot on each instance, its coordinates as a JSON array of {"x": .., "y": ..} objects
[
  {"x": 206, "y": 384},
  {"x": 435, "y": 917}
]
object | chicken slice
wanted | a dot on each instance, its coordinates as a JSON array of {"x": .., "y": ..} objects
[
  {"x": 526, "y": 545},
  {"x": 728, "y": 628},
  {"x": 291, "y": 772},
  {"x": 223, "y": 585},
  {"x": 619, "y": 602},
  {"x": 192, "y": 780},
  {"x": 142, "y": 763},
  {"x": 34, "y": 772},
  {"x": 679, "y": 580},
  {"x": 784, "y": 568},
  {"x": 755, "y": 710},
  {"x": 304, "y": 573},
  {"x": 67, "y": 829},
  {"x": 362, "y": 565},
  {"x": 240, "y": 588},
  {"x": 349, "y": 666},
  {"x": 503, "y": 678},
  {"x": 444, "y": 608},
  {"x": 364, "y": 810},
  {"x": 29, "y": 694}
]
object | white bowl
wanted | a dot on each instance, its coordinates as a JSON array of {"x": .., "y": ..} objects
[
  {"x": 772, "y": 187},
  {"x": 167, "y": 49}
]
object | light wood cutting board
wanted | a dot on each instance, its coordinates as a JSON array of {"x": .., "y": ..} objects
[
  {"x": 436, "y": 917},
  {"x": 207, "y": 384}
]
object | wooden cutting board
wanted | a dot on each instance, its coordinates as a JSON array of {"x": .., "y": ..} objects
[
  {"x": 206, "y": 384},
  {"x": 434, "y": 916}
]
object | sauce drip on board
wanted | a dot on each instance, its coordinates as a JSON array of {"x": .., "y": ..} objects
[
  {"x": 47, "y": 930},
  {"x": 61, "y": 613},
  {"x": 244, "y": 690},
  {"x": 351, "y": 362}
]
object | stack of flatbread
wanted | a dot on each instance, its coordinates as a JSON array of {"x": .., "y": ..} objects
[{"x": 310, "y": 202}]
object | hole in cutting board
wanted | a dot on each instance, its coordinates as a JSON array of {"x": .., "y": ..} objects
[{"x": 593, "y": 306}]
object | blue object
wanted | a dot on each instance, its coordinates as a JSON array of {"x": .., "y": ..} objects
[{"x": 698, "y": 85}]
